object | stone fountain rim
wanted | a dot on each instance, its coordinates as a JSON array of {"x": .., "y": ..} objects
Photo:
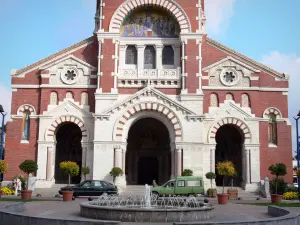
[{"x": 89, "y": 205}]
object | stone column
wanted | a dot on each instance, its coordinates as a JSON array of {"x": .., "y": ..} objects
[
  {"x": 123, "y": 160},
  {"x": 199, "y": 74},
  {"x": 178, "y": 162},
  {"x": 99, "y": 73},
  {"x": 116, "y": 57},
  {"x": 118, "y": 157},
  {"x": 84, "y": 152},
  {"x": 183, "y": 58},
  {"x": 159, "y": 49},
  {"x": 140, "y": 62},
  {"x": 172, "y": 163},
  {"x": 49, "y": 163},
  {"x": 247, "y": 166}
]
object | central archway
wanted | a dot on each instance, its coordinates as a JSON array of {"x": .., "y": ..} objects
[
  {"x": 148, "y": 155},
  {"x": 230, "y": 145},
  {"x": 68, "y": 148}
]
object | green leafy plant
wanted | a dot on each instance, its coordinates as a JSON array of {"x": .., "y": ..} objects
[
  {"x": 225, "y": 168},
  {"x": 116, "y": 172},
  {"x": 85, "y": 171},
  {"x": 187, "y": 172},
  {"x": 28, "y": 167},
  {"x": 281, "y": 185},
  {"x": 69, "y": 168},
  {"x": 210, "y": 176},
  {"x": 278, "y": 169}
]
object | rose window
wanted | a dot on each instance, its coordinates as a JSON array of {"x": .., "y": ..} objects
[
  {"x": 69, "y": 76},
  {"x": 229, "y": 77}
]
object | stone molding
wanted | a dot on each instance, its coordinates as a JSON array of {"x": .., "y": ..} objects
[
  {"x": 25, "y": 107},
  {"x": 270, "y": 110}
]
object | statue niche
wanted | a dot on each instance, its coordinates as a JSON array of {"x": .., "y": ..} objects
[{"x": 150, "y": 22}]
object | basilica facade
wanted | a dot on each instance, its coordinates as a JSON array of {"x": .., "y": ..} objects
[{"x": 151, "y": 93}]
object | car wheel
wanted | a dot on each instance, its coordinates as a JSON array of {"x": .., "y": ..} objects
[{"x": 155, "y": 195}]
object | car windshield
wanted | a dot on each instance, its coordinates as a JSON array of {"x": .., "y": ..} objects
[
  {"x": 169, "y": 184},
  {"x": 85, "y": 184}
]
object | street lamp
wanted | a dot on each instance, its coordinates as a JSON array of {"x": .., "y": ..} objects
[
  {"x": 298, "y": 149},
  {"x": 2, "y": 131}
]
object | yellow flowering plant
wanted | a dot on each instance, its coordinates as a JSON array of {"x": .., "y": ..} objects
[
  {"x": 226, "y": 168},
  {"x": 3, "y": 166},
  {"x": 7, "y": 191},
  {"x": 70, "y": 168},
  {"x": 290, "y": 195}
]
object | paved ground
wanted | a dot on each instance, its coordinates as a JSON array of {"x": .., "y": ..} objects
[{"x": 70, "y": 210}]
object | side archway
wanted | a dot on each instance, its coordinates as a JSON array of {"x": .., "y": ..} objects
[
  {"x": 130, "y": 5},
  {"x": 155, "y": 110},
  {"x": 233, "y": 121},
  {"x": 50, "y": 132}
]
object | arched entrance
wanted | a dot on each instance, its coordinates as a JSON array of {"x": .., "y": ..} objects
[
  {"x": 230, "y": 144},
  {"x": 148, "y": 153},
  {"x": 68, "y": 148}
]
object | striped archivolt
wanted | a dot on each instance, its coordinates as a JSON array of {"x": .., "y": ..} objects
[
  {"x": 67, "y": 119},
  {"x": 130, "y": 5},
  {"x": 233, "y": 121},
  {"x": 154, "y": 107}
]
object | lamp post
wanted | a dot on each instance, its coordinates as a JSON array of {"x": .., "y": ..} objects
[
  {"x": 2, "y": 131},
  {"x": 298, "y": 149}
]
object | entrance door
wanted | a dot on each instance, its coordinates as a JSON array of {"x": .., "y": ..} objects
[{"x": 148, "y": 170}]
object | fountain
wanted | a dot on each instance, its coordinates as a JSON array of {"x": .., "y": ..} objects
[{"x": 149, "y": 208}]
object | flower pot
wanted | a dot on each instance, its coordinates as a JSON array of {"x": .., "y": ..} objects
[
  {"x": 67, "y": 196},
  {"x": 233, "y": 193},
  {"x": 26, "y": 194},
  {"x": 222, "y": 199},
  {"x": 276, "y": 198}
]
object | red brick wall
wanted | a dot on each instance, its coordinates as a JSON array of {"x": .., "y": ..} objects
[{"x": 192, "y": 66}]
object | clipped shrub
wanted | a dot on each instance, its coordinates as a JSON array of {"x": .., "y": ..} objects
[
  {"x": 290, "y": 195},
  {"x": 187, "y": 172},
  {"x": 278, "y": 184},
  {"x": 225, "y": 168},
  {"x": 278, "y": 169},
  {"x": 69, "y": 168},
  {"x": 85, "y": 171},
  {"x": 116, "y": 172},
  {"x": 28, "y": 166},
  {"x": 210, "y": 176}
]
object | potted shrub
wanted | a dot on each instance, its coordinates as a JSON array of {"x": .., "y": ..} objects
[
  {"x": 233, "y": 192},
  {"x": 85, "y": 171},
  {"x": 225, "y": 168},
  {"x": 211, "y": 192},
  {"x": 28, "y": 167},
  {"x": 278, "y": 169},
  {"x": 116, "y": 172},
  {"x": 187, "y": 172},
  {"x": 3, "y": 169},
  {"x": 71, "y": 169}
]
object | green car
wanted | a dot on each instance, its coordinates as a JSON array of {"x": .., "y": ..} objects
[{"x": 189, "y": 186}]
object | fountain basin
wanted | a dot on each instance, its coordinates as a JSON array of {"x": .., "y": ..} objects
[{"x": 143, "y": 214}]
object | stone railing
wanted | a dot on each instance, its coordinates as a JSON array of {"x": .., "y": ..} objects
[{"x": 166, "y": 78}]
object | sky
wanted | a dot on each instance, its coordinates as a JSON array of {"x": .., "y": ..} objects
[{"x": 265, "y": 30}]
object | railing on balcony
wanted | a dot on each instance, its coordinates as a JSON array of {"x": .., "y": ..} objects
[{"x": 162, "y": 78}]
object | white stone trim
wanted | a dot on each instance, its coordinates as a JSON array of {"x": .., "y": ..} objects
[
  {"x": 24, "y": 107},
  {"x": 152, "y": 109},
  {"x": 52, "y": 129},
  {"x": 240, "y": 124},
  {"x": 245, "y": 88},
  {"x": 130, "y": 5},
  {"x": 274, "y": 110},
  {"x": 29, "y": 86}
]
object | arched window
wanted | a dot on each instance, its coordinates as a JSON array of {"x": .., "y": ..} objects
[
  {"x": 229, "y": 96},
  {"x": 84, "y": 98},
  {"x": 245, "y": 100},
  {"x": 26, "y": 126},
  {"x": 272, "y": 129},
  {"x": 168, "y": 55},
  {"x": 131, "y": 55},
  {"x": 214, "y": 101},
  {"x": 149, "y": 58},
  {"x": 69, "y": 95},
  {"x": 53, "y": 98}
]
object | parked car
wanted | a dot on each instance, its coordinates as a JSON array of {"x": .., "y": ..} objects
[
  {"x": 185, "y": 185},
  {"x": 91, "y": 188}
]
